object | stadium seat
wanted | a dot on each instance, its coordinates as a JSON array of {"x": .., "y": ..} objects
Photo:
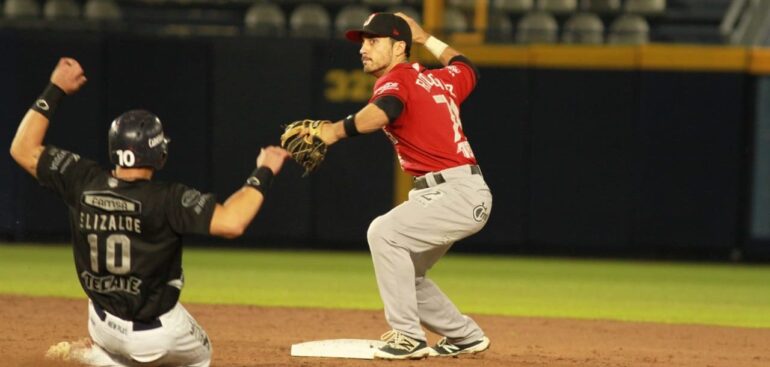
[
  {"x": 601, "y": 6},
  {"x": 500, "y": 28},
  {"x": 645, "y": 7},
  {"x": 583, "y": 28},
  {"x": 461, "y": 4},
  {"x": 512, "y": 6},
  {"x": 349, "y": 17},
  {"x": 630, "y": 29},
  {"x": 381, "y": 2},
  {"x": 21, "y": 9},
  {"x": 454, "y": 21},
  {"x": 408, "y": 10},
  {"x": 102, "y": 10},
  {"x": 265, "y": 19},
  {"x": 557, "y": 6},
  {"x": 310, "y": 21},
  {"x": 537, "y": 27},
  {"x": 61, "y": 10}
]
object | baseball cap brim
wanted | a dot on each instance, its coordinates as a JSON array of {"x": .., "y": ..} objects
[{"x": 357, "y": 35}]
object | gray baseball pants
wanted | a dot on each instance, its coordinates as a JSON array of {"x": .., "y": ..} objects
[{"x": 409, "y": 239}]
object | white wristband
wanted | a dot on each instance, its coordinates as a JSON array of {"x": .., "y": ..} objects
[{"x": 435, "y": 46}]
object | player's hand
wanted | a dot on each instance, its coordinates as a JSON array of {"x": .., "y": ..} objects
[
  {"x": 418, "y": 34},
  {"x": 272, "y": 157},
  {"x": 68, "y": 75}
]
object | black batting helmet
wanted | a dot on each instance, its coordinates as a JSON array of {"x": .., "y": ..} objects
[{"x": 136, "y": 139}]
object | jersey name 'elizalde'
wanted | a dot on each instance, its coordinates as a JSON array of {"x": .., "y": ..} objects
[{"x": 110, "y": 222}]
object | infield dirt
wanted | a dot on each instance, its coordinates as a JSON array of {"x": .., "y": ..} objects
[{"x": 258, "y": 336}]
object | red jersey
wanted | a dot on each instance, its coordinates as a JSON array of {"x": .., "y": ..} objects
[{"x": 428, "y": 135}]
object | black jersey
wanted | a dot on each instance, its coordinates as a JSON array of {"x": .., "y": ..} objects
[{"x": 126, "y": 235}]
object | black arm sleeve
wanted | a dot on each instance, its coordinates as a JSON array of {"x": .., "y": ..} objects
[
  {"x": 391, "y": 105},
  {"x": 466, "y": 61}
]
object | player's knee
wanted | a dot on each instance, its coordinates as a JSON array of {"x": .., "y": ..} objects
[{"x": 377, "y": 233}]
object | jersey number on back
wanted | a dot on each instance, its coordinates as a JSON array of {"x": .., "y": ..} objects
[
  {"x": 117, "y": 262},
  {"x": 454, "y": 113}
]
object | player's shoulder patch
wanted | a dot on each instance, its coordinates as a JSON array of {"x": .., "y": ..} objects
[
  {"x": 62, "y": 159},
  {"x": 453, "y": 70},
  {"x": 388, "y": 86},
  {"x": 111, "y": 202},
  {"x": 192, "y": 198}
]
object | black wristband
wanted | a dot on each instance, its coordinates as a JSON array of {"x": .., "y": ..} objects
[
  {"x": 350, "y": 126},
  {"x": 260, "y": 179},
  {"x": 47, "y": 102}
]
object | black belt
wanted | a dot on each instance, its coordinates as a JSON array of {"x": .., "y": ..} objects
[
  {"x": 138, "y": 325},
  {"x": 422, "y": 182}
]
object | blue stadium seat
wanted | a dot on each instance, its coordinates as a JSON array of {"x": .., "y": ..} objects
[
  {"x": 61, "y": 10},
  {"x": 21, "y": 9},
  {"x": 382, "y": 2},
  {"x": 645, "y": 7},
  {"x": 349, "y": 17},
  {"x": 537, "y": 27},
  {"x": 583, "y": 28},
  {"x": 629, "y": 29},
  {"x": 557, "y": 6},
  {"x": 310, "y": 21},
  {"x": 265, "y": 19},
  {"x": 500, "y": 28},
  {"x": 102, "y": 11},
  {"x": 512, "y": 6},
  {"x": 601, "y": 6},
  {"x": 461, "y": 4}
]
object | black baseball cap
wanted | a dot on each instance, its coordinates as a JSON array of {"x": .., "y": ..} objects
[{"x": 383, "y": 25}]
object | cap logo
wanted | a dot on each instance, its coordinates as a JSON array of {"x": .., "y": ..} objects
[
  {"x": 368, "y": 20},
  {"x": 395, "y": 32}
]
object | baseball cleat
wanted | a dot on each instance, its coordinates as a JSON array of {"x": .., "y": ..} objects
[
  {"x": 446, "y": 349},
  {"x": 400, "y": 346}
]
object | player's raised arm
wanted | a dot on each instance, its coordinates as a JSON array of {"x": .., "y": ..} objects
[
  {"x": 231, "y": 218},
  {"x": 443, "y": 52},
  {"x": 27, "y": 145}
]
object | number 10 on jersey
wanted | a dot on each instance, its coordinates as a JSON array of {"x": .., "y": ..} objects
[{"x": 118, "y": 262}]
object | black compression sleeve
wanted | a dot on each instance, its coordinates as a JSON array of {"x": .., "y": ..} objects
[
  {"x": 466, "y": 61},
  {"x": 391, "y": 105}
]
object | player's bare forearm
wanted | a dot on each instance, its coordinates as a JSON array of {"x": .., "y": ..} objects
[
  {"x": 232, "y": 218},
  {"x": 27, "y": 145},
  {"x": 368, "y": 120}
]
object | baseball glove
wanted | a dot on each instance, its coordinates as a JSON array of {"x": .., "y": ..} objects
[{"x": 303, "y": 140}]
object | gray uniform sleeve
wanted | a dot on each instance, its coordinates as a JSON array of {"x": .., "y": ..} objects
[{"x": 189, "y": 211}]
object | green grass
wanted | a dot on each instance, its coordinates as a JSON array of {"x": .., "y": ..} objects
[{"x": 718, "y": 294}]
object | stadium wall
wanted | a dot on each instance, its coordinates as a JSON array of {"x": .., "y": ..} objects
[{"x": 620, "y": 155}]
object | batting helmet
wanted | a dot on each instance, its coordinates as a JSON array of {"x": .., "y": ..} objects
[{"x": 136, "y": 139}]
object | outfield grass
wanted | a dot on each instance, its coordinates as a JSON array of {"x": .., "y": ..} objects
[{"x": 737, "y": 295}]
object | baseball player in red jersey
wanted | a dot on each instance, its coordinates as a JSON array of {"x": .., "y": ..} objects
[{"x": 418, "y": 109}]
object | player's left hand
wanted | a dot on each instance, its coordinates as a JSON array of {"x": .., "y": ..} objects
[
  {"x": 68, "y": 75},
  {"x": 273, "y": 158},
  {"x": 303, "y": 141}
]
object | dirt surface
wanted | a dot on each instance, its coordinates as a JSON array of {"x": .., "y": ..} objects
[{"x": 256, "y": 336}]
